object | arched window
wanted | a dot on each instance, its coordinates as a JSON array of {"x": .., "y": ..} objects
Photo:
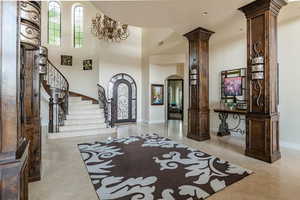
[
  {"x": 78, "y": 26},
  {"x": 54, "y": 25}
]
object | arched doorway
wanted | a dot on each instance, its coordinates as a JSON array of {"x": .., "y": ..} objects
[{"x": 123, "y": 92}]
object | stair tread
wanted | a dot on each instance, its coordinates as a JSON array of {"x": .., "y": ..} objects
[
  {"x": 89, "y": 130},
  {"x": 76, "y": 125},
  {"x": 102, "y": 131}
]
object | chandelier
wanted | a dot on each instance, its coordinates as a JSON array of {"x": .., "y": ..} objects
[{"x": 105, "y": 28}]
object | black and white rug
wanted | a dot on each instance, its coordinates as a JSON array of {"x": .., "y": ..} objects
[{"x": 155, "y": 168}]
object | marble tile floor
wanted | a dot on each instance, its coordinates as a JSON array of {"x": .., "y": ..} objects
[{"x": 65, "y": 177}]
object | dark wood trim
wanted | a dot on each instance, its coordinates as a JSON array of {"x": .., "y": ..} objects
[
  {"x": 199, "y": 119},
  {"x": 84, "y": 97},
  {"x": 10, "y": 78},
  {"x": 200, "y": 32},
  {"x": 260, "y": 6},
  {"x": 31, "y": 124},
  {"x": 14, "y": 148},
  {"x": 262, "y": 118}
]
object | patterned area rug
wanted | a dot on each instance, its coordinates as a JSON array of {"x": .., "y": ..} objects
[{"x": 152, "y": 167}]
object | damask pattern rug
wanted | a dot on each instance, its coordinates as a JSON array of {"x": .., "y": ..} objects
[{"x": 155, "y": 168}]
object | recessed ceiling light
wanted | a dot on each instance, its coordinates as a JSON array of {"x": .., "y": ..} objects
[
  {"x": 205, "y": 13},
  {"x": 161, "y": 43}
]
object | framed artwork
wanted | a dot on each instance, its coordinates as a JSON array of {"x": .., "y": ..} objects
[
  {"x": 88, "y": 64},
  {"x": 157, "y": 95},
  {"x": 66, "y": 60}
]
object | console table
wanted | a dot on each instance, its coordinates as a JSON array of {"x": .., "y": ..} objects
[{"x": 224, "y": 112}]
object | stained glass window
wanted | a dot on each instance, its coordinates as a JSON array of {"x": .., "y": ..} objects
[
  {"x": 54, "y": 26},
  {"x": 78, "y": 26}
]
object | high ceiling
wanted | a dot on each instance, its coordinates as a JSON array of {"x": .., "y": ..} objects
[
  {"x": 179, "y": 15},
  {"x": 183, "y": 16}
]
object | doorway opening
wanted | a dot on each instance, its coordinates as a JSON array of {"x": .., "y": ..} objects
[
  {"x": 123, "y": 92},
  {"x": 175, "y": 99}
]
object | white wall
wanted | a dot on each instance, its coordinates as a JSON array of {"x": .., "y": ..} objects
[
  {"x": 124, "y": 57},
  {"x": 224, "y": 55},
  {"x": 232, "y": 54},
  {"x": 109, "y": 59},
  {"x": 288, "y": 50},
  {"x": 158, "y": 75},
  {"x": 80, "y": 81}
]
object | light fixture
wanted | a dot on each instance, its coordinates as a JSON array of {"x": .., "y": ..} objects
[
  {"x": 105, "y": 28},
  {"x": 205, "y": 13}
]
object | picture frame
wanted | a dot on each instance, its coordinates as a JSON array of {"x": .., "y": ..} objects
[
  {"x": 157, "y": 94},
  {"x": 88, "y": 64},
  {"x": 66, "y": 60}
]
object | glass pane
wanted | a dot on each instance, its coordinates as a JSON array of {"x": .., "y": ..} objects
[
  {"x": 133, "y": 91},
  {"x": 133, "y": 109},
  {"x": 110, "y": 90},
  {"x": 78, "y": 26},
  {"x": 175, "y": 94},
  {"x": 54, "y": 23},
  {"x": 128, "y": 78},
  {"x": 123, "y": 104}
]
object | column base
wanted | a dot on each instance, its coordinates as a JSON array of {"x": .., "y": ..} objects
[
  {"x": 201, "y": 138},
  {"x": 262, "y": 139},
  {"x": 269, "y": 159}
]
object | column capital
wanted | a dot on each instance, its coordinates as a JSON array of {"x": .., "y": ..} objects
[
  {"x": 259, "y": 6},
  {"x": 199, "y": 33}
]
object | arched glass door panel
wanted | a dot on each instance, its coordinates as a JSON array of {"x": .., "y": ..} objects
[
  {"x": 123, "y": 101},
  {"x": 122, "y": 89}
]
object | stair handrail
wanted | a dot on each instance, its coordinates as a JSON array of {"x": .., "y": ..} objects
[
  {"x": 106, "y": 105},
  {"x": 57, "y": 87}
]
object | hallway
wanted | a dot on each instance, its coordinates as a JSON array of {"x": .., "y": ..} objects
[{"x": 65, "y": 177}]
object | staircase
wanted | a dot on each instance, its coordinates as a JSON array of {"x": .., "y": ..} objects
[
  {"x": 72, "y": 114},
  {"x": 84, "y": 118}
]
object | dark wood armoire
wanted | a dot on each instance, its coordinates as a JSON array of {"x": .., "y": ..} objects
[
  {"x": 198, "y": 113},
  {"x": 20, "y": 130}
]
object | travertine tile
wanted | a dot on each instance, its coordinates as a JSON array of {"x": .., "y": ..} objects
[{"x": 65, "y": 176}]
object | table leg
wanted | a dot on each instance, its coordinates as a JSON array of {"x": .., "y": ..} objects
[{"x": 223, "y": 127}]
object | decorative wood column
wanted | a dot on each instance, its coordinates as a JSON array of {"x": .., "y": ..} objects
[
  {"x": 198, "y": 124},
  {"x": 262, "y": 140}
]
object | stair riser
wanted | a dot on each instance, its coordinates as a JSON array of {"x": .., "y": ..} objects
[
  {"x": 85, "y": 107},
  {"x": 105, "y": 131},
  {"x": 83, "y": 122},
  {"x": 86, "y": 111},
  {"x": 80, "y": 103},
  {"x": 85, "y": 117},
  {"x": 75, "y": 98},
  {"x": 81, "y": 127}
]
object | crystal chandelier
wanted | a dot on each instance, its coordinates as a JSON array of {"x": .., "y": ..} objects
[{"x": 105, "y": 28}]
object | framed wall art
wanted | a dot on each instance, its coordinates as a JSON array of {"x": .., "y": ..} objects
[
  {"x": 157, "y": 94},
  {"x": 88, "y": 64},
  {"x": 66, "y": 60}
]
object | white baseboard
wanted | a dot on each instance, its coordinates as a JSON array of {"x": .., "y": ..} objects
[
  {"x": 156, "y": 122},
  {"x": 44, "y": 123},
  {"x": 290, "y": 145}
]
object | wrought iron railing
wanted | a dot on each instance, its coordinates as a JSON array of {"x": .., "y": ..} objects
[
  {"x": 106, "y": 105},
  {"x": 57, "y": 87}
]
